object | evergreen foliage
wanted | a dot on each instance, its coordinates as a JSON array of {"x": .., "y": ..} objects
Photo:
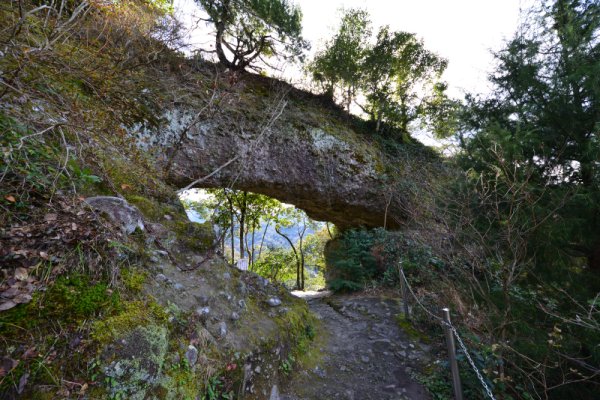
[
  {"x": 530, "y": 151},
  {"x": 538, "y": 133},
  {"x": 350, "y": 262}
]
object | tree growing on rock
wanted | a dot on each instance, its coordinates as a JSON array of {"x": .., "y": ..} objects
[
  {"x": 250, "y": 30},
  {"x": 340, "y": 63},
  {"x": 396, "y": 79},
  {"x": 400, "y": 78}
]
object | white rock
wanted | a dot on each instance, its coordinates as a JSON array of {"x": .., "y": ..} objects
[{"x": 274, "y": 302}]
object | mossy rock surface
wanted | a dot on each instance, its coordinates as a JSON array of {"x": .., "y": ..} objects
[{"x": 138, "y": 357}]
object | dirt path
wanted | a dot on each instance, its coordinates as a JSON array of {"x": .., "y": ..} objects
[{"x": 365, "y": 356}]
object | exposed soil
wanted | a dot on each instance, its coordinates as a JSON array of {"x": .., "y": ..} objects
[{"x": 366, "y": 355}]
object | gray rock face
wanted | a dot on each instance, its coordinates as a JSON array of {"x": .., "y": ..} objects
[
  {"x": 139, "y": 361},
  {"x": 119, "y": 211},
  {"x": 314, "y": 160}
]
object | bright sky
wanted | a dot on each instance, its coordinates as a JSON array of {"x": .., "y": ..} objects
[{"x": 463, "y": 31}]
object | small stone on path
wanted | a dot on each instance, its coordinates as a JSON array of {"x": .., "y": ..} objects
[
  {"x": 274, "y": 302},
  {"x": 191, "y": 355},
  {"x": 222, "y": 329}
]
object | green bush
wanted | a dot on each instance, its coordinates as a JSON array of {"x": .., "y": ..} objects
[
  {"x": 360, "y": 257},
  {"x": 350, "y": 260}
]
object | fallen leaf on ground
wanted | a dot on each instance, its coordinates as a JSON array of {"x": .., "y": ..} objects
[
  {"x": 7, "y": 364},
  {"x": 30, "y": 353},
  {"x": 50, "y": 217},
  {"x": 10, "y": 292},
  {"x": 22, "y": 382},
  {"x": 21, "y": 274},
  {"x": 22, "y": 298},
  {"x": 51, "y": 356},
  {"x": 10, "y": 198},
  {"x": 84, "y": 387}
]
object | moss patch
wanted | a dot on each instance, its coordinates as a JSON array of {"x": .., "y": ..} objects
[
  {"x": 132, "y": 315},
  {"x": 133, "y": 279},
  {"x": 300, "y": 326},
  {"x": 410, "y": 330},
  {"x": 70, "y": 299}
]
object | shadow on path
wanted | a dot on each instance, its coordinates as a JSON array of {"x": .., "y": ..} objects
[{"x": 366, "y": 355}]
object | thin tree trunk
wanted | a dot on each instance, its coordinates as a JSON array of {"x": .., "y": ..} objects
[
  {"x": 220, "y": 26},
  {"x": 242, "y": 207},
  {"x": 298, "y": 286},
  {"x": 252, "y": 247},
  {"x": 263, "y": 239},
  {"x": 301, "y": 265},
  {"x": 223, "y": 241},
  {"x": 301, "y": 250},
  {"x": 247, "y": 247},
  {"x": 328, "y": 230},
  {"x": 230, "y": 201}
]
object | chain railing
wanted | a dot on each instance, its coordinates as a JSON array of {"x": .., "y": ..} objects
[{"x": 406, "y": 288}]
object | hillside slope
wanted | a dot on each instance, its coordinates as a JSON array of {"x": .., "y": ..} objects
[{"x": 107, "y": 290}]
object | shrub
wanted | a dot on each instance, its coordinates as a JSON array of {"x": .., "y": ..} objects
[{"x": 350, "y": 261}]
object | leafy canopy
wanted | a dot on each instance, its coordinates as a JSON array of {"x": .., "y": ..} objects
[
  {"x": 340, "y": 62},
  {"x": 250, "y": 30},
  {"x": 396, "y": 79}
]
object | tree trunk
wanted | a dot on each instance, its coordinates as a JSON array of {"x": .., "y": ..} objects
[
  {"x": 242, "y": 207},
  {"x": 328, "y": 230},
  {"x": 348, "y": 99},
  {"x": 223, "y": 241},
  {"x": 263, "y": 239},
  {"x": 298, "y": 286},
  {"x": 220, "y": 26},
  {"x": 247, "y": 247},
  {"x": 301, "y": 266},
  {"x": 301, "y": 250},
  {"x": 232, "y": 229},
  {"x": 252, "y": 246}
]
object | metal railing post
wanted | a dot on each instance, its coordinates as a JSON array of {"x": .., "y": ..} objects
[{"x": 458, "y": 395}]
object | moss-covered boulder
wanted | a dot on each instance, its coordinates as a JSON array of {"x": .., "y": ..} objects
[{"x": 138, "y": 357}]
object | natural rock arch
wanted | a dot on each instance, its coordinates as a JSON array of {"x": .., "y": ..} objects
[{"x": 291, "y": 147}]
